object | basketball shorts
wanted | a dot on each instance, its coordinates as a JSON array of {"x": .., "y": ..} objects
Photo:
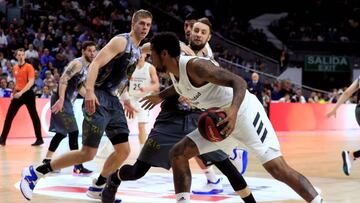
[
  {"x": 169, "y": 128},
  {"x": 109, "y": 117},
  {"x": 63, "y": 122}
]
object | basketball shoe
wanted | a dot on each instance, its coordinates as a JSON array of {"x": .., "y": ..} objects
[
  {"x": 347, "y": 161},
  {"x": 210, "y": 188},
  {"x": 109, "y": 192},
  {"x": 239, "y": 159},
  {"x": 28, "y": 181},
  {"x": 80, "y": 170},
  {"x": 94, "y": 191}
]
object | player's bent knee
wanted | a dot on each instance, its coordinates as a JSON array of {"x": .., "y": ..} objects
[
  {"x": 279, "y": 170},
  {"x": 87, "y": 153}
]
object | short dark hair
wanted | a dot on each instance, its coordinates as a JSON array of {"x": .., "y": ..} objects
[
  {"x": 87, "y": 44},
  {"x": 206, "y": 21},
  {"x": 166, "y": 41},
  {"x": 194, "y": 15}
]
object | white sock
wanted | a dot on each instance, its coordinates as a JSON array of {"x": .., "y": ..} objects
[
  {"x": 318, "y": 199},
  {"x": 210, "y": 174},
  {"x": 183, "y": 197}
]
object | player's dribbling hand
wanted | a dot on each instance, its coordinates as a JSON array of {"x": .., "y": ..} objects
[
  {"x": 151, "y": 101},
  {"x": 230, "y": 119},
  {"x": 58, "y": 106},
  {"x": 90, "y": 101},
  {"x": 129, "y": 109}
]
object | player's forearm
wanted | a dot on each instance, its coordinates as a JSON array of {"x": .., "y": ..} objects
[
  {"x": 62, "y": 88},
  {"x": 91, "y": 77},
  {"x": 239, "y": 89},
  {"x": 168, "y": 92},
  {"x": 82, "y": 90}
]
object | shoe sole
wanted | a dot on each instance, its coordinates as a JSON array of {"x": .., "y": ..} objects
[
  {"x": 345, "y": 163},
  {"x": 22, "y": 179},
  {"x": 93, "y": 197},
  {"x": 211, "y": 192},
  {"x": 82, "y": 174}
]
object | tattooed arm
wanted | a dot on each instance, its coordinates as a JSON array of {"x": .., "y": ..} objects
[
  {"x": 72, "y": 68},
  {"x": 201, "y": 71}
]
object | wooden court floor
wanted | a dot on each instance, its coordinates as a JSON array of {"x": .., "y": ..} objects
[{"x": 315, "y": 154}]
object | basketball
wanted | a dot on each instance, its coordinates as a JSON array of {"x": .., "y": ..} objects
[{"x": 207, "y": 125}]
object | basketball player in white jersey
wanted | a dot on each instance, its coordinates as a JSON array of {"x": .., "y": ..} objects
[
  {"x": 199, "y": 37},
  {"x": 143, "y": 82},
  {"x": 207, "y": 86}
]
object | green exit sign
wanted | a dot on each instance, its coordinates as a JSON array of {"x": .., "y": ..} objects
[{"x": 325, "y": 63}]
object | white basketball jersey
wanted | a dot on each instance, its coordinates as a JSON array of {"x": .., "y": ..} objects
[
  {"x": 140, "y": 78},
  {"x": 204, "y": 97},
  {"x": 209, "y": 51}
]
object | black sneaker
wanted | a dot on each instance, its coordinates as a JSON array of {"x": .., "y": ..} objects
[
  {"x": 109, "y": 192},
  {"x": 2, "y": 143},
  {"x": 37, "y": 143},
  {"x": 80, "y": 170}
]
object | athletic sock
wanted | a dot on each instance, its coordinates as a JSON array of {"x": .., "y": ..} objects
[
  {"x": 356, "y": 154},
  {"x": 183, "y": 197},
  {"x": 249, "y": 199},
  {"x": 101, "y": 180},
  {"x": 44, "y": 169},
  {"x": 115, "y": 178},
  {"x": 210, "y": 174}
]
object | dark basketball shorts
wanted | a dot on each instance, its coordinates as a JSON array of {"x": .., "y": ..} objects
[
  {"x": 63, "y": 122},
  {"x": 109, "y": 117},
  {"x": 169, "y": 128}
]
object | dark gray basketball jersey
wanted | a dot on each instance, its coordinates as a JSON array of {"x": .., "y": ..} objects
[
  {"x": 119, "y": 69},
  {"x": 74, "y": 82}
]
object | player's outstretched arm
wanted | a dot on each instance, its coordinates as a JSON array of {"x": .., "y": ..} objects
[
  {"x": 152, "y": 100},
  {"x": 345, "y": 96}
]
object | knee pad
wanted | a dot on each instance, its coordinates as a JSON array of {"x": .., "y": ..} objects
[
  {"x": 55, "y": 141},
  {"x": 134, "y": 172}
]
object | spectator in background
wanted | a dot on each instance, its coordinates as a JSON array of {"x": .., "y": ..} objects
[
  {"x": 255, "y": 87},
  {"x": 46, "y": 58},
  {"x": 46, "y": 93},
  {"x": 266, "y": 98},
  {"x": 2, "y": 61},
  {"x": 11, "y": 86},
  {"x": 313, "y": 98},
  {"x": 31, "y": 54},
  {"x": 4, "y": 90},
  {"x": 38, "y": 41},
  {"x": 298, "y": 97},
  {"x": 39, "y": 83},
  {"x": 283, "y": 60},
  {"x": 49, "y": 80},
  {"x": 3, "y": 40},
  {"x": 286, "y": 98}
]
